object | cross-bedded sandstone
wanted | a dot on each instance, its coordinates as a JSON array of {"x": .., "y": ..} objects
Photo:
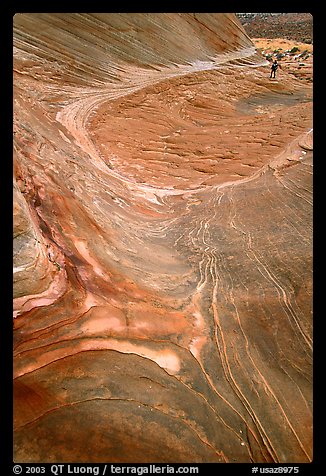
[{"x": 162, "y": 243}]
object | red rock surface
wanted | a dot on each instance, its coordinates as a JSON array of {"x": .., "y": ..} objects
[{"x": 162, "y": 243}]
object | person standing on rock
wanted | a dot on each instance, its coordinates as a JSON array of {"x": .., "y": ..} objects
[{"x": 274, "y": 67}]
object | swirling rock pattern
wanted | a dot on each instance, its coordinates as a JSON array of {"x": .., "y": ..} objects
[{"x": 163, "y": 213}]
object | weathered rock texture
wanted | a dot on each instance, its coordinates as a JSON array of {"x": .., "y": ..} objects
[{"x": 162, "y": 200}]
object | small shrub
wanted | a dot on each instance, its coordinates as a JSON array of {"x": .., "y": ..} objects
[{"x": 295, "y": 49}]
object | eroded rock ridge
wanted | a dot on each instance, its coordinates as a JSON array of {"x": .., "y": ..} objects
[{"x": 162, "y": 243}]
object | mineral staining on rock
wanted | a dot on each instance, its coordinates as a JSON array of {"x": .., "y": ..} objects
[{"x": 162, "y": 243}]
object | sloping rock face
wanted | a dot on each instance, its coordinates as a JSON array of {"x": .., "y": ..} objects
[{"x": 163, "y": 213}]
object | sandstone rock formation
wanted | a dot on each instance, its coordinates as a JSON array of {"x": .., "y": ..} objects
[{"x": 163, "y": 214}]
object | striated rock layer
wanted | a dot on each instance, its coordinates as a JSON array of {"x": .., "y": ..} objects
[{"x": 162, "y": 243}]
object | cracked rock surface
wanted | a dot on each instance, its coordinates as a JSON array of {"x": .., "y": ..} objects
[{"x": 162, "y": 243}]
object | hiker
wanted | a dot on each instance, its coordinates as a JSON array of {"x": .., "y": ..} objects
[{"x": 274, "y": 67}]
